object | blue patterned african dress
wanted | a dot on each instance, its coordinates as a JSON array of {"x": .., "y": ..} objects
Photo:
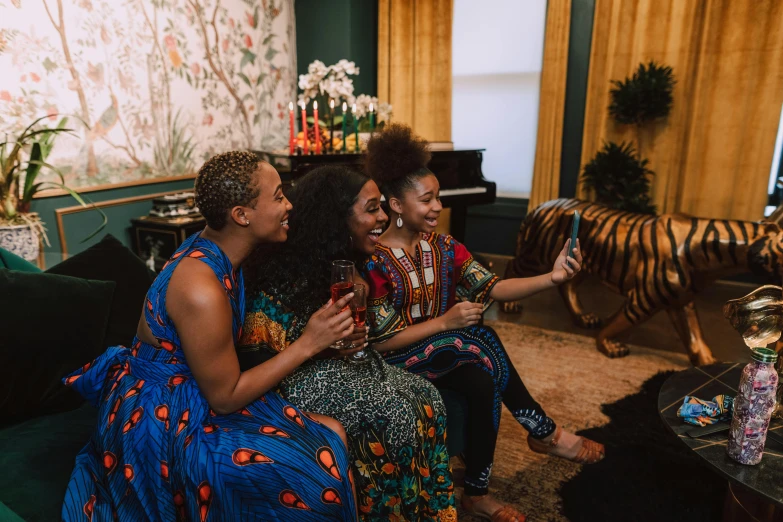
[{"x": 160, "y": 453}]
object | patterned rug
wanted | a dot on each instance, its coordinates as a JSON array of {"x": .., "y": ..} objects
[{"x": 571, "y": 380}]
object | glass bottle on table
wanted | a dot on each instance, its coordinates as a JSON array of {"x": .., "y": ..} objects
[{"x": 753, "y": 408}]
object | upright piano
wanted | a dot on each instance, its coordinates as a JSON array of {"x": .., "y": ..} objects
[{"x": 462, "y": 183}]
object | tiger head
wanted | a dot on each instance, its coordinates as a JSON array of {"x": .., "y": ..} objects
[{"x": 765, "y": 255}]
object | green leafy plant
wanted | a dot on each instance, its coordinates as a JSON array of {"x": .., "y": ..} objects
[
  {"x": 644, "y": 97},
  {"x": 21, "y": 162},
  {"x": 619, "y": 178}
]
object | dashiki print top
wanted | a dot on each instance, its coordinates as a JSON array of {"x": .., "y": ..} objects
[{"x": 409, "y": 289}]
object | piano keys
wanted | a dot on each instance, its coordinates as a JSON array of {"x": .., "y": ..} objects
[{"x": 462, "y": 183}]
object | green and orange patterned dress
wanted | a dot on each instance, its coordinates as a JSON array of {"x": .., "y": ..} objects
[{"x": 396, "y": 421}]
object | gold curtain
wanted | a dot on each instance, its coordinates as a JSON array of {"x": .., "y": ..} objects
[
  {"x": 713, "y": 154},
  {"x": 551, "y": 105},
  {"x": 414, "y": 63}
]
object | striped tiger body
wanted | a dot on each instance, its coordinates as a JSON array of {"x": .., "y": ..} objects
[{"x": 656, "y": 262}]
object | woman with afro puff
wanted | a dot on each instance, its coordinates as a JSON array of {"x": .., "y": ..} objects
[
  {"x": 395, "y": 420},
  {"x": 427, "y": 296}
]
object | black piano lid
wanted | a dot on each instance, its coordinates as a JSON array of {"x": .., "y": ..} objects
[{"x": 455, "y": 169}]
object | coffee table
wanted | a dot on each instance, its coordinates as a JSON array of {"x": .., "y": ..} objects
[{"x": 754, "y": 492}]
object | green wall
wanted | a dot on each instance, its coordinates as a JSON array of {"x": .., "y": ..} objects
[
  {"x": 579, "y": 43},
  {"x": 330, "y": 31},
  {"x": 78, "y": 225}
]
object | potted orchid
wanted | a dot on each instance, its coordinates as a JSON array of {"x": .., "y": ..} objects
[{"x": 323, "y": 84}]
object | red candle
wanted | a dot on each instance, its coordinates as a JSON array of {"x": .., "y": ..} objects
[
  {"x": 317, "y": 128},
  {"x": 292, "y": 137},
  {"x": 304, "y": 127}
]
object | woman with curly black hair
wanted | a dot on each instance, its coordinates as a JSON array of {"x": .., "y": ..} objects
[
  {"x": 427, "y": 296},
  {"x": 395, "y": 420}
]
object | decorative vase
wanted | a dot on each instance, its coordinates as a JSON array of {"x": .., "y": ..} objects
[{"x": 22, "y": 240}]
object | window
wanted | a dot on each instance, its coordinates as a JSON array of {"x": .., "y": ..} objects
[{"x": 497, "y": 57}]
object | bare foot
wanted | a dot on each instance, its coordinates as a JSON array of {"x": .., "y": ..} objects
[
  {"x": 488, "y": 505},
  {"x": 567, "y": 447},
  {"x": 612, "y": 349},
  {"x": 589, "y": 320}
]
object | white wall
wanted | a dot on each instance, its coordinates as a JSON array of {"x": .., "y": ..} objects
[{"x": 497, "y": 58}]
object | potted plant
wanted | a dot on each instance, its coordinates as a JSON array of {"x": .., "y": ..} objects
[
  {"x": 619, "y": 178},
  {"x": 617, "y": 175},
  {"x": 22, "y": 160},
  {"x": 323, "y": 84}
]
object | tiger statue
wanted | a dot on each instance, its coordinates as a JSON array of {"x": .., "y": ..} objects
[{"x": 656, "y": 262}]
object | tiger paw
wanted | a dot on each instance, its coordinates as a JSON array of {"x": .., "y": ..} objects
[
  {"x": 703, "y": 358},
  {"x": 512, "y": 307},
  {"x": 588, "y": 320},
  {"x": 612, "y": 349}
]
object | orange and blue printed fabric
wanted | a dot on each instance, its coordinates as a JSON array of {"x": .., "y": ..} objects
[
  {"x": 160, "y": 453},
  {"x": 703, "y": 413}
]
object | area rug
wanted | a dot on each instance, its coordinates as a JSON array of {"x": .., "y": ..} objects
[{"x": 572, "y": 381}]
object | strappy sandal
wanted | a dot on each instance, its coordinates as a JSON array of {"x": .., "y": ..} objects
[
  {"x": 590, "y": 452},
  {"x": 503, "y": 514}
]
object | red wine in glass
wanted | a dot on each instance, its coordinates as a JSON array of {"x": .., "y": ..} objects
[
  {"x": 359, "y": 316},
  {"x": 341, "y": 289},
  {"x": 342, "y": 284},
  {"x": 359, "y": 308}
]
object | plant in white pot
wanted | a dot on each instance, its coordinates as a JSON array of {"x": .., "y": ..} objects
[{"x": 22, "y": 160}]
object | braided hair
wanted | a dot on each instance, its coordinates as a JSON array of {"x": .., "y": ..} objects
[{"x": 223, "y": 182}]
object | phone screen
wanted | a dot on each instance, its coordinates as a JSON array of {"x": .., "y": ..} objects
[{"x": 574, "y": 230}]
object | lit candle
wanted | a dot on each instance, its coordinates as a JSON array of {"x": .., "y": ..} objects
[
  {"x": 317, "y": 128},
  {"x": 304, "y": 128},
  {"x": 355, "y": 127},
  {"x": 372, "y": 119},
  {"x": 331, "y": 125},
  {"x": 292, "y": 138},
  {"x": 345, "y": 117}
]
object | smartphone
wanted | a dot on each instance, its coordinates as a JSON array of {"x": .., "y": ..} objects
[{"x": 574, "y": 231}]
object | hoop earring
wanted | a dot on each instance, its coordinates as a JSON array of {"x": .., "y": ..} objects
[{"x": 399, "y": 221}]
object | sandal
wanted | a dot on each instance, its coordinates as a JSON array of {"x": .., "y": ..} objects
[
  {"x": 590, "y": 452},
  {"x": 503, "y": 514}
]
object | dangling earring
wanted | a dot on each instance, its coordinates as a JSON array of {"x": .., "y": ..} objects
[{"x": 399, "y": 221}]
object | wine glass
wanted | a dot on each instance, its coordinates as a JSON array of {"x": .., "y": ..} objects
[
  {"x": 359, "y": 308},
  {"x": 342, "y": 284}
]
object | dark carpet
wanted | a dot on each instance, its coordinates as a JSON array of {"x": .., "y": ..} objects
[{"x": 647, "y": 475}]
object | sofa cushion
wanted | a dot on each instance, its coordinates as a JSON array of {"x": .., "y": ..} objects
[
  {"x": 6, "y": 515},
  {"x": 51, "y": 325},
  {"x": 37, "y": 457},
  {"x": 14, "y": 262},
  {"x": 110, "y": 260}
]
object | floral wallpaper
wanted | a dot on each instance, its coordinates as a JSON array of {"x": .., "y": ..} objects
[{"x": 152, "y": 87}]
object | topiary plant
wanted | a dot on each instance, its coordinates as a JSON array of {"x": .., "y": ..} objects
[
  {"x": 619, "y": 178},
  {"x": 644, "y": 97}
]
